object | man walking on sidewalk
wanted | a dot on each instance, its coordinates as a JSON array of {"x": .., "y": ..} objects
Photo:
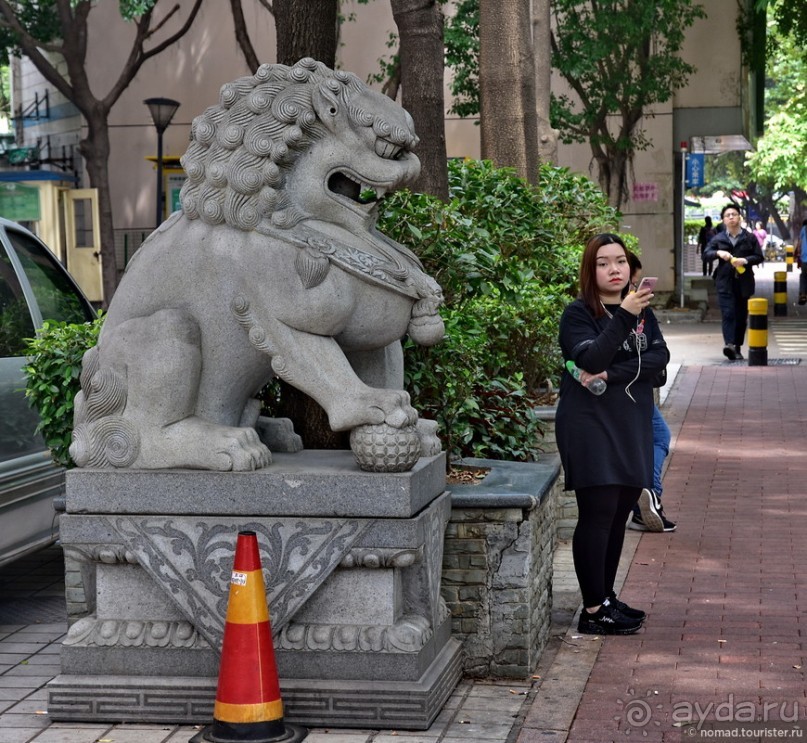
[{"x": 738, "y": 250}]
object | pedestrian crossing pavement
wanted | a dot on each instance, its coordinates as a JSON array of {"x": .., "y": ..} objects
[{"x": 790, "y": 333}]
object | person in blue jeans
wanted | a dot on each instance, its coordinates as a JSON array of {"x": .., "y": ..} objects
[{"x": 648, "y": 513}]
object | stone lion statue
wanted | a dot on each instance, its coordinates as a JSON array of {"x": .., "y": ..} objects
[{"x": 273, "y": 266}]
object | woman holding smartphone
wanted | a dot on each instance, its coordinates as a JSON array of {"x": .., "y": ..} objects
[{"x": 606, "y": 441}]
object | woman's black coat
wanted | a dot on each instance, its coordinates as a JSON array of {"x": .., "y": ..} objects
[{"x": 608, "y": 439}]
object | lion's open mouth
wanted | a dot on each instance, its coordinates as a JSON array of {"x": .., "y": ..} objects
[{"x": 361, "y": 193}]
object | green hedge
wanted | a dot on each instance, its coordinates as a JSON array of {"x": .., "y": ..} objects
[
  {"x": 691, "y": 229},
  {"x": 506, "y": 254},
  {"x": 52, "y": 374}
]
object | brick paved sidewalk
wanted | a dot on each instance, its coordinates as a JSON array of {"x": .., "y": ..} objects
[{"x": 726, "y": 594}]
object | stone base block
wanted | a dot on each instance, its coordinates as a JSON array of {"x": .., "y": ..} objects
[
  {"x": 357, "y": 619},
  {"x": 408, "y": 705}
]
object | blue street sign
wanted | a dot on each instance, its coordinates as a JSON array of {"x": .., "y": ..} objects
[{"x": 694, "y": 173}]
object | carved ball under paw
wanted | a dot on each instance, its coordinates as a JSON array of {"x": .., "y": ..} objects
[{"x": 383, "y": 448}]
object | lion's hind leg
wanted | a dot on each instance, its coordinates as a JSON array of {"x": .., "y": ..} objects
[{"x": 157, "y": 361}]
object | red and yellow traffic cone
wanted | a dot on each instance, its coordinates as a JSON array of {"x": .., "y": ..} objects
[{"x": 248, "y": 704}]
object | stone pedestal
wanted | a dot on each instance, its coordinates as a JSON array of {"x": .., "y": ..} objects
[{"x": 351, "y": 563}]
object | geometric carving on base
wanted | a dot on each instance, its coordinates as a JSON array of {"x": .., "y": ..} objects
[{"x": 380, "y": 704}]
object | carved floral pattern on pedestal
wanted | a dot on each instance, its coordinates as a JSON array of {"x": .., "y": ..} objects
[
  {"x": 435, "y": 527},
  {"x": 191, "y": 560},
  {"x": 94, "y": 632},
  {"x": 408, "y": 635},
  {"x": 381, "y": 558}
]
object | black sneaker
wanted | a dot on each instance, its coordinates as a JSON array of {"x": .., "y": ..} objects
[
  {"x": 802, "y": 299},
  {"x": 649, "y": 506},
  {"x": 730, "y": 352},
  {"x": 668, "y": 525},
  {"x": 628, "y": 611},
  {"x": 737, "y": 355},
  {"x": 607, "y": 620}
]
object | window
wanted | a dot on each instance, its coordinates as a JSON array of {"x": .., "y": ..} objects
[
  {"x": 15, "y": 318},
  {"x": 17, "y": 419},
  {"x": 54, "y": 292}
]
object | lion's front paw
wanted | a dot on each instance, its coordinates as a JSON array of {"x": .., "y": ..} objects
[
  {"x": 374, "y": 406},
  {"x": 242, "y": 449}
]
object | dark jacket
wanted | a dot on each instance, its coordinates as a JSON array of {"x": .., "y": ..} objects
[
  {"x": 608, "y": 439},
  {"x": 704, "y": 235},
  {"x": 726, "y": 277}
]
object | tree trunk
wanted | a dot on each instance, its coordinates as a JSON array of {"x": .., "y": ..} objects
[
  {"x": 797, "y": 217},
  {"x": 95, "y": 149},
  {"x": 420, "y": 28},
  {"x": 612, "y": 173},
  {"x": 507, "y": 86},
  {"x": 542, "y": 48},
  {"x": 306, "y": 28}
]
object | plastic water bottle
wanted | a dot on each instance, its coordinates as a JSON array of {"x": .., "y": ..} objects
[{"x": 595, "y": 386}]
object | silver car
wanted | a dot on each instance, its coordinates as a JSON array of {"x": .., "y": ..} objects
[{"x": 34, "y": 287}]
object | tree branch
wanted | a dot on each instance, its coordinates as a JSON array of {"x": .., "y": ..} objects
[
  {"x": 242, "y": 35},
  {"x": 178, "y": 35},
  {"x": 137, "y": 56},
  {"x": 32, "y": 49},
  {"x": 165, "y": 20}
]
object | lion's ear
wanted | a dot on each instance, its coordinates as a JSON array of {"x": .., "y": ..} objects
[{"x": 327, "y": 105}]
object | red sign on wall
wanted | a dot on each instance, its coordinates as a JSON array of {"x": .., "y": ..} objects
[{"x": 645, "y": 192}]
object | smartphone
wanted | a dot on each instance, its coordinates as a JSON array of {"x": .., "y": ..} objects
[{"x": 648, "y": 282}]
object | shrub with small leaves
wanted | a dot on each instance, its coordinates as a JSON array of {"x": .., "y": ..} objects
[
  {"x": 506, "y": 254},
  {"x": 52, "y": 373}
]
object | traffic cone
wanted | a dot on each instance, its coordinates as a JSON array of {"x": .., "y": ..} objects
[{"x": 248, "y": 704}]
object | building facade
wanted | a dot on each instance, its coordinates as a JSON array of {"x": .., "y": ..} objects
[{"x": 718, "y": 109}]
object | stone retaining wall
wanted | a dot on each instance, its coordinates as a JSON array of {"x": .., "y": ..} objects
[{"x": 497, "y": 566}]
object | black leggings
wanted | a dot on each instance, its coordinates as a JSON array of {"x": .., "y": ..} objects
[{"x": 598, "y": 537}]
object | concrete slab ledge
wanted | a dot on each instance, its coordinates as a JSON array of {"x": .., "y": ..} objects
[
  {"x": 508, "y": 484},
  {"x": 307, "y": 483}
]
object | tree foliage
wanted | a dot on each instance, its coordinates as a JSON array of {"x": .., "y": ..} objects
[
  {"x": 780, "y": 158},
  {"x": 52, "y": 379},
  {"x": 506, "y": 254},
  {"x": 54, "y": 35},
  {"x": 619, "y": 57},
  {"x": 791, "y": 20},
  {"x": 462, "y": 57}
]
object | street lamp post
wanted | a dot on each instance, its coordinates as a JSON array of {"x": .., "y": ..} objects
[{"x": 162, "y": 111}]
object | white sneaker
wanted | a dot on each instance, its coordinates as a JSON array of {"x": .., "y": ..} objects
[{"x": 649, "y": 506}]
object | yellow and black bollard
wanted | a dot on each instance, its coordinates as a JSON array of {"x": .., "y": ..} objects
[
  {"x": 757, "y": 332},
  {"x": 779, "y": 294},
  {"x": 789, "y": 251}
]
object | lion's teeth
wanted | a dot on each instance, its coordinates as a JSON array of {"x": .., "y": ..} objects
[{"x": 386, "y": 149}]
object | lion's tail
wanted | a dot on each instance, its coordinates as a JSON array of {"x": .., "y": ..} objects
[{"x": 101, "y": 436}]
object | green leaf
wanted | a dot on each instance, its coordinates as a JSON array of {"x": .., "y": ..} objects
[{"x": 52, "y": 377}]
